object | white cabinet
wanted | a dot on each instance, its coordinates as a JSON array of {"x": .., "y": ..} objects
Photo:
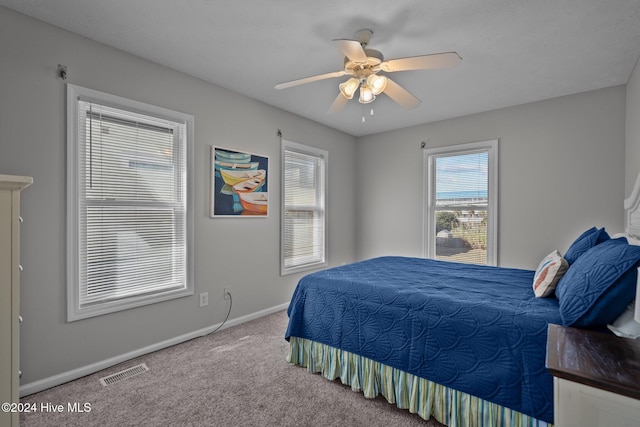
[
  {"x": 596, "y": 378},
  {"x": 10, "y": 187},
  {"x": 579, "y": 405}
]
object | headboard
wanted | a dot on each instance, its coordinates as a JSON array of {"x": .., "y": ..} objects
[
  {"x": 632, "y": 211},
  {"x": 632, "y": 229}
]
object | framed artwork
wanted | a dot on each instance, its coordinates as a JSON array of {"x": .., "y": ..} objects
[{"x": 239, "y": 184}]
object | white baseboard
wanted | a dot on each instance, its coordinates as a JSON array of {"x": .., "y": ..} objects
[{"x": 65, "y": 377}]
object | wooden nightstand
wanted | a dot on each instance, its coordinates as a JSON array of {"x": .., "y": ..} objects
[{"x": 596, "y": 378}]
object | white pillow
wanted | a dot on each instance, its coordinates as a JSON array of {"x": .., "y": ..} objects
[
  {"x": 548, "y": 274},
  {"x": 632, "y": 239},
  {"x": 624, "y": 325}
]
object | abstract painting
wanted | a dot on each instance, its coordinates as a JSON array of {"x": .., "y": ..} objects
[{"x": 239, "y": 184}]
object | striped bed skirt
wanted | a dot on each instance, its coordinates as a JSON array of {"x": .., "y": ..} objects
[{"x": 422, "y": 397}]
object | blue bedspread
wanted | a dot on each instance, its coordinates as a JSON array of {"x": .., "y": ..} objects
[{"x": 476, "y": 329}]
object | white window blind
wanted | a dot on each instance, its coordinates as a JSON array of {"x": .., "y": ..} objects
[
  {"x": 132, "y": 204},
  {"x": 303, "y": 212},
  {"x": 462, "y": 196}
]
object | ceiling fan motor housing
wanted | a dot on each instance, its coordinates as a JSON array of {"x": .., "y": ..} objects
[{"x": 362, "y": 70}]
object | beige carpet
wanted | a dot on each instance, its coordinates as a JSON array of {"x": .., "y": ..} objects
[{"x": 235, "y": 377}]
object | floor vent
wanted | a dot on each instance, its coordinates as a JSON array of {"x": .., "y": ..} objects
[{"x": 123, "y": 375}]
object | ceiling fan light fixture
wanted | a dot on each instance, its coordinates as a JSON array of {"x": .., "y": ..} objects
[
  {"x": 348, "y": 88},
  {"x": 377, "y": 83},
  {"x": 366, "y": 95}
]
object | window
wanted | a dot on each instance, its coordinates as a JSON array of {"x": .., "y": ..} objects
[
  {"x": 303, "y": 223},
  {"x": 129, "y": 214},
  {"x": 461, "y": 214}
]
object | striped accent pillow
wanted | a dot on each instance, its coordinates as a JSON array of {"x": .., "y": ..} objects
[{"x": 548, "y": 274}]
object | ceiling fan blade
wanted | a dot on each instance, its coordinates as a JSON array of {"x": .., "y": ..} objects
[
  {"x": 338, "y": 103},
  {"x": 352, "y": 49},
  {"x": 401, "y": 95},
  {"x": 310, "y": 79},
  {"x": 423, "y": 62}
]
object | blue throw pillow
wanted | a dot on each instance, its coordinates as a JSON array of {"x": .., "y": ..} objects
[
  {"x": 599, "y": 285},
  {"x": 584, "y": 242}
]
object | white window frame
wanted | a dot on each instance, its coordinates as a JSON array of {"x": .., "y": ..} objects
[
  {"x": 429, "y": 156},
  {"x": 74, "y": 310},
  {"x": 304, "y": 265}
]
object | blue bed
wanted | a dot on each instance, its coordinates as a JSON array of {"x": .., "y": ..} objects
[{"x": 477, "y": 331}]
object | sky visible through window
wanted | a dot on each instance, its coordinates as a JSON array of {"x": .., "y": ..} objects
[{"x": 462, "y": 176}]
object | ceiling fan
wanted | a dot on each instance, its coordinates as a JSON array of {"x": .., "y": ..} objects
[{"x": 363, "y": 65}]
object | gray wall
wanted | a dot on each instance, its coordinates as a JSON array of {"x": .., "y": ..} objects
[
  {"x": 243, "y": 253},
  {"x": 632, "y": 155},
  {"x": 561, "y": 171}
]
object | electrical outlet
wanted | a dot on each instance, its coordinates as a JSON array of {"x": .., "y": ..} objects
[
  {"x": 227, "y": 292},
  {"x": 204, "y": 299}
]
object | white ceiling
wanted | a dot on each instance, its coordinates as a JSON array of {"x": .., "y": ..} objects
[{"x": 514, "y": 51}]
